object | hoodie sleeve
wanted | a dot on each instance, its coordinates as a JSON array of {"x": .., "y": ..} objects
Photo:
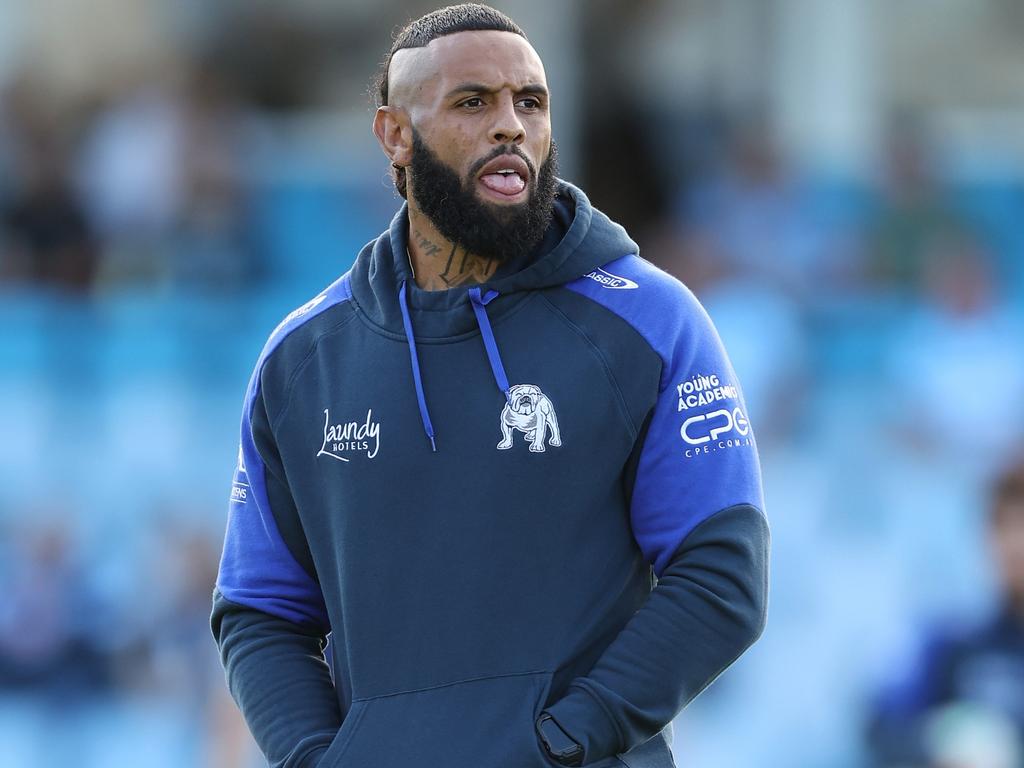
[
  {"x": 269, "y": 618},
  {"x": 697, "y": 515}
]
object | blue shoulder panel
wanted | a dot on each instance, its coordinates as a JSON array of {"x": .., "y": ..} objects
[
  {"x": 256, "y": 568},
  {"x": 699, "y": 456}
]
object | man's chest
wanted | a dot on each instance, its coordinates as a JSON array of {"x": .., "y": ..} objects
[{"x": 354, "y": 444}]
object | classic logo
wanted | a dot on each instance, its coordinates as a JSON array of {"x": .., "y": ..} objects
[
  {"x": 529, "y": 411},
  {"x": 608, "y": 280},
  {"x": 350, "y": 437},
  {"x": 309, "y": 306}
]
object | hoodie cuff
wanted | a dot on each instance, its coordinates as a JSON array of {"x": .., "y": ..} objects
[{"x": 584, "y": 717}]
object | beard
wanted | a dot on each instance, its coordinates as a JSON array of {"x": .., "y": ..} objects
[{"x": 500, "y": 232}]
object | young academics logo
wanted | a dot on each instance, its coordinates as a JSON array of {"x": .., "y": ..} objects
[
  {"x": 703, "y": 390},
  {"x": 718, "y": 430},
  {"x": 529, "y": 411},
  {"x": 608, "y": 280},
  {"x": 350, "y": 437}
]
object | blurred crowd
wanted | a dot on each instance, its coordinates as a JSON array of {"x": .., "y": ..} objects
[
  {"x": 875, "y": 320},
  {"x": 145, "y": 188}
]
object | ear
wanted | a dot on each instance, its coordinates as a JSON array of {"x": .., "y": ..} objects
[{"x": 393, "y": 129}]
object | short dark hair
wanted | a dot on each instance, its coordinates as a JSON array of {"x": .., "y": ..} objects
[{"x": 465, "y": 17}]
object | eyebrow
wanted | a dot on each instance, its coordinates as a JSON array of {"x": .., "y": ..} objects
[{"x": 533, "y": 88}]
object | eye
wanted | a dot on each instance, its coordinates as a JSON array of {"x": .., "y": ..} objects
[
  {"x": 529, "y": 103},
  {"x": 473, "y": 102}
]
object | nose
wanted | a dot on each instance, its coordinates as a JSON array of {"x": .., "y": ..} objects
[{"x": 507, "y": 126}]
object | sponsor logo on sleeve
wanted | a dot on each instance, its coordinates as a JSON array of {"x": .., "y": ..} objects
[
  {"x": 305, "y": 309},
  {"x": 239, "y": 492},
  {"x": 703, "y": 390},
  {"x": 710, "y": 431},
  {"x": 608, "y": 280},
  {"x": 239, "y": 487}
]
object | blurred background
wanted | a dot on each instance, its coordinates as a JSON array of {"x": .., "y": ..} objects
[{"x": 840, "y": 181}]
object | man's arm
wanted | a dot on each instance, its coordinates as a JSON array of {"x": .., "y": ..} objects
[
  {"x": 269, "y": 618},
  {"x": 707, "y": 608},
  {"x": 696, "y": 510},
  {"x": 278, "y": 677}
]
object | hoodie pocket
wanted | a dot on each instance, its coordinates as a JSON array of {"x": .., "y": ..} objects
[
  {"x": 348, "y": 727},
  {"x": 481, "y": 722}
]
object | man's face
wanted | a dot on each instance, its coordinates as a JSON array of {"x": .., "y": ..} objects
[
  {"x": 477, "y": 108},
  {"x": 484, "y": 90}
]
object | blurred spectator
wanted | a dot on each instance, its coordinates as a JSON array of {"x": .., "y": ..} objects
[
  {"x": 952, "y": 382},
  {"x": 183, "y": 664},
  {"x": 130, "y": 179},
  {"x": 44, "y": 236},
  {"x": 752, "y": 218},
  {"x": 914, "y": 221},
  {"x": 160, "y": 172},
  {"x": 962, "y": 704},
  {"x": 45, "y": 639},
  {"x": 182, "y": 660},
  {"x": 210, "y": 244}
]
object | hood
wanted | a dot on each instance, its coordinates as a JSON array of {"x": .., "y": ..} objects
[{"x": 579, "y": 239}]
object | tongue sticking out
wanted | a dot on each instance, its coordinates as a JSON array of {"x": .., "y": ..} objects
[{"x": 506, "y": 184}]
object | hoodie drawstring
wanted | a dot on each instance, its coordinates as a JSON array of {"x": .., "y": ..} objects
[
  {"x": 479, "y": 303},
  {"x": 417, "y": 379}
]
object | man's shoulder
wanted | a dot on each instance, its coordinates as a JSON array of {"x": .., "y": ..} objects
[
  {"x": 657, "y": 304},
  {"x": 299, "y": 329},
  {"x": 630, "y": 277}
]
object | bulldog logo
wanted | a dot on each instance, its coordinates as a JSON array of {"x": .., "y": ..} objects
[{"x": 530, "y": 411}]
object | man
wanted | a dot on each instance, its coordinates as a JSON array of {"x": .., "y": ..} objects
[
  {"x": 468, "y": 457},
  {"x": 969, "y": 677}
]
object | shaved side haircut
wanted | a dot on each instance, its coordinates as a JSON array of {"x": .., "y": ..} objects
[{"x": 465, "y": 17}]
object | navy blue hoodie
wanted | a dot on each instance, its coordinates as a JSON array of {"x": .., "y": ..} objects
[{"x": 541, "y": 494}]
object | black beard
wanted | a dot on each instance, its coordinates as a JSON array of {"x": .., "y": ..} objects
[{"x": 491, "y": 231}]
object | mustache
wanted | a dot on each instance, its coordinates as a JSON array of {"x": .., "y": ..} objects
[{"x": 504, "y": 149}]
